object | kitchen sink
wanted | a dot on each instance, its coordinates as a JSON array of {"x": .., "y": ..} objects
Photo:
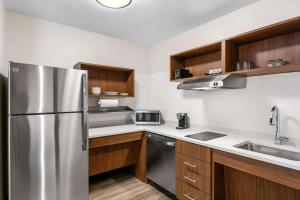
[
  {"x": 205, "y": 136},
  {"x": 290, "y": 155}
]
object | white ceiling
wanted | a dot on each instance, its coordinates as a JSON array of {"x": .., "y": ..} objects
[{"x": 144, "y": 21}]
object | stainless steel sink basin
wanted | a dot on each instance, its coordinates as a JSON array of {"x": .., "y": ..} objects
[
  {"x": 205, "y": 136},
  {"x": 290, "y": 155}
]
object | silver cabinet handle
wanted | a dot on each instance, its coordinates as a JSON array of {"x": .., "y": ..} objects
[
  {"x": 189, "y": 179},
  {"x": 190, "y": 165},
  {"x": 188, "y": 197}
]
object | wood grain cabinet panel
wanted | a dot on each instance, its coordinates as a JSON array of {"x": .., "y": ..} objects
[
  {"x": 239, "y": 185},
  {"x": 236, "y": 177},
  {"x": 187, "y": 192},
  {"x": 261, "y": 169},
  {"x": 279, "y": 40},
  {"x": 191, "y": 164},
  {"x": 109, "y": 78},
  {"x": 200, "y": 182},
  {"x": 140, "y": 168},
  {"x": 112, "y": 157},
  {"x": 114, "y": 139},
  {"x": 268, "y": 190},
  {"x": 198, "y": 61},
  {"x": 194, "y": 151},
  {"x": 113, "y": 152},
  {"x": 193, "y": 171}
]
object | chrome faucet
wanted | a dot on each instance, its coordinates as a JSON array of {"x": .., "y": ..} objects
[{"x": 274, "y": 121}]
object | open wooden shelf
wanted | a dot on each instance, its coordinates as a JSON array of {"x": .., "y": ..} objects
[
  {"x": 277, "y": 41},
  {"x": 268, "y": 70},
  {"x": 109, "y": 96},
  {"x": 198, "y": 61},
  {"x": 109, "y": 78}
]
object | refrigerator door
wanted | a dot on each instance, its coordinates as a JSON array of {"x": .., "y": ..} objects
[
  {"x": 38, "y": 89},
  {"x": 48, "y": 157}
]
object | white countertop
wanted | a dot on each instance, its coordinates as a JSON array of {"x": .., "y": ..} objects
[{"x": 223, "y": 143}]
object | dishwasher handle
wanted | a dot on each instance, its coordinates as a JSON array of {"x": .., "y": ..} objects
[
  {"x": 171, "y": 144},
  {"x": 167, "y": 143}
]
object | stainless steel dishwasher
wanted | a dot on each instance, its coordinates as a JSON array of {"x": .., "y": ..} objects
[{"x": 161, "y": 161}]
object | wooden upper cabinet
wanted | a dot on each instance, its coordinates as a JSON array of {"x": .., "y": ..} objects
[
  {"x": 198, "y": 60},
  {"x": 277, "y": 41},
  {"x": 109, "y": 78}
]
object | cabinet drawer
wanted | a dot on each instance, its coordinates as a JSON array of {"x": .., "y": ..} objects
[
  {"x": 200, "y": 182},
  {"x": 191, "y": 164},
  {"x": 186, "y": 192},
  {"x": 194, "y": 150}
]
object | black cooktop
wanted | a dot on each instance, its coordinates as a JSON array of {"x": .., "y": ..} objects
[{"x": 205, "y": 136}]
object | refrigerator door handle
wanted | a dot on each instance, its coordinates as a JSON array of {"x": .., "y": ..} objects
[
  {"x": 85, "y": 109},
  {"x": 84, "y": 92},
  {"x": 84, "y": 132}
]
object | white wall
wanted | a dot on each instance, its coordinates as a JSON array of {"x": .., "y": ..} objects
[
  {"x": 247, "y": 109},
  {"x": 2, "y": 68},
  {"x": 2, "y": 35},
  {"x": 35, "y": 41}
]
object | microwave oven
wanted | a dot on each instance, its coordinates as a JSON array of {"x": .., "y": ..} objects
[{"x": 147, "y": 117}]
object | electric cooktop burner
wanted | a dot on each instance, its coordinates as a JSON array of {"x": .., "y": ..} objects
[{"x": 205, "y": 136}]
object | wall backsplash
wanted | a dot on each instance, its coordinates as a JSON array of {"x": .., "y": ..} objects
[{"x": 243, "y": 109}]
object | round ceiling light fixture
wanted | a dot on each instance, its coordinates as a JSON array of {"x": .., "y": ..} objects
[{"x": 116, "y": 4}]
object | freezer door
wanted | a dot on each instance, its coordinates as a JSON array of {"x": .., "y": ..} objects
[
  {"x": 40, "y": 89},
  {"x": 47, "y": 158}
]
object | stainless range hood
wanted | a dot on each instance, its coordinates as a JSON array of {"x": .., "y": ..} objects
[{"x": 226, "y": 81}]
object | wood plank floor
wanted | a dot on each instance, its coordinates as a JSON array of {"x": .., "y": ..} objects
[{"x": 124, "y": 187}]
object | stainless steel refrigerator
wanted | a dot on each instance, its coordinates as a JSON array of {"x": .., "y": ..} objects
[{"x": 47, "y": 133}]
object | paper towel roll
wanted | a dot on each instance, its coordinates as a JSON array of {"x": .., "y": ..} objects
[{"x": 109, "y": 103}]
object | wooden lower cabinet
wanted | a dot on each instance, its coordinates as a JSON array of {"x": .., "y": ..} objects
[
  {"x": 241, "y": 185},
  {"x": 113, "y": 152},
  {"x": 193, "y": 171},
  {"x": 112, "y": 157},
  {"x": 187, "y": 192},
  {"x": 272, "y": 191},
  {"x": 236, "y": 177},
  {"x": 201, "y": 173}
]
